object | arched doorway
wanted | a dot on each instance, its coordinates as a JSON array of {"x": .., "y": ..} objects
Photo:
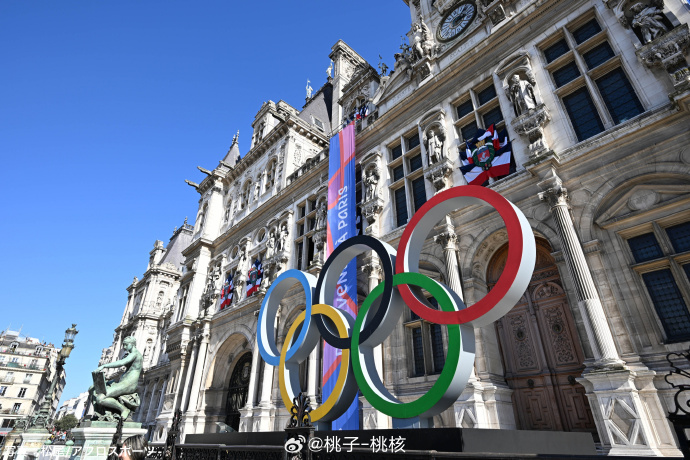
[
  {"x": 237, "y": 393},
  {"x": 541, "y": 351}
]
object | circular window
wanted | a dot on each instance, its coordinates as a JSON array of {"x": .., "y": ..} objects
[{"x": 261, "y": 235}]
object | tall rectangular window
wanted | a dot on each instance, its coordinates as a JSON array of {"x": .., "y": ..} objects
[
  {"x": 594, "y": 89},
  {"x": 418, "y": 192},
  {"x": 619, "y": 96},
  {"x": 583, "y": 114},
  {"x": 437, "y": 347},
  {"x": 22, "y": 393},
  {"x": 679, "y": 236},
  {"x": 660, "y": 259},
  {"x": 669, "y": 303},
  {"x": 400, "y": 207},
  {"x": 418, "y": 351}
]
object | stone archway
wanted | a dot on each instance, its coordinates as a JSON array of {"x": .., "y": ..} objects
[
  {"x": 541, "y": 351},
  {"x": 238, "y": 390}
]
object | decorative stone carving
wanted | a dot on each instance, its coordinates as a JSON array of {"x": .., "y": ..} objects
[
  {"x": 372, "y": 175},
  {"x": 422, "y": 42},
  {"x": 270, "y": 245},
  {"x": 531, "y": 124},
  {"x": 434, "y": 144},
  {"x": 283, "y": 238},
  {"x": 439, "y": 175},
  {"x": 521, "y": 93},
  {"x": 371, "y": 212},
  {"x": 322, "y": 215},
  {"x": 319, "y": 242},
  {"x": 667, "y": 51},
  {"x": 497, "y": 15},
  {"x": 648, "y": 20}
]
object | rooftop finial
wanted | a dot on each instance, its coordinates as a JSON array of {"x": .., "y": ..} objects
[
  {"x": 185, "y": 220},
  {"x": 236, "y": 137}
]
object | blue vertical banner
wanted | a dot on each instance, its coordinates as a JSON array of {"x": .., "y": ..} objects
[{"x": 342, "y": 221}]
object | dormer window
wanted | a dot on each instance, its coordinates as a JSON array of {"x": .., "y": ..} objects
[{"x": 13, "y": 346}]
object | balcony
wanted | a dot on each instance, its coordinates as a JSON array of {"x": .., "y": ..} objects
[{"x": 7, "y": 379}]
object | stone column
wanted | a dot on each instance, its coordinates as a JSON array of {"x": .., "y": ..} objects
[
  {"x": 188, "y": 378},
  {"x": 372, "y": 418},
  {"x": 199, "y": 367},
  {"x": 448, "y": 241},
  {"x": 598, "y": 331}
]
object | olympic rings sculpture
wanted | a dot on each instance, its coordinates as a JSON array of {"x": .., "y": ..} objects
[{"x": 382, "y": 309}]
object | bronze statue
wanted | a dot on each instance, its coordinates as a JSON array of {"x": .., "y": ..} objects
[{"x": 118, "y": 398}]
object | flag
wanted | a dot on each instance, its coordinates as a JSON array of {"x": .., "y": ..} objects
[
  {"x": 254, "y": 277},
  {"x": 486, "y": 155},
  {"x": 362, "y": 112},
  {"x": 342, "y": 224},
  {"x": 226, "y": 293}
]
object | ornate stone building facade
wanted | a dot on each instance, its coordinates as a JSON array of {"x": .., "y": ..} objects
[{"x": 594, "y": 96}]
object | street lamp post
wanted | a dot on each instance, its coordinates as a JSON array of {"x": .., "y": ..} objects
[{"x": 42, "y": 419}]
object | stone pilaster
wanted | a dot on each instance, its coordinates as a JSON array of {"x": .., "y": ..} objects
[
  {"x": 199, "y": 367},
  {"x": 598, "y": 331},
  {"x": 263, "y": 415}
]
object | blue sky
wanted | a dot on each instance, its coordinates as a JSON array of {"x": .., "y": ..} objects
[{"x": 107, "y": 106}]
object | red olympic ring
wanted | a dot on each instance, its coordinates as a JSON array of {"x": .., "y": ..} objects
[{"x": 510, "y": 285}]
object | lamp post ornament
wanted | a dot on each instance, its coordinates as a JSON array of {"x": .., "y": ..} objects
[{"x": 43, "y": 418}]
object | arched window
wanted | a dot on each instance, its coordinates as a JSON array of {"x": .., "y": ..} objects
[
  {"x": 246, "y": 193},
  {"x": 270, "y": 175}
]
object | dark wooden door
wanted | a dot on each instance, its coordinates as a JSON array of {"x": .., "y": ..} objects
[
  {"x": 237, "y": 393},
  {"x": 541, "y": 351}
]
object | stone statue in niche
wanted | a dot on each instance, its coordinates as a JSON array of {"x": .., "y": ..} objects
[
  {"x": 649, "y": 21},
  {"x": 371, "y": 181},
  {"x": 270, "y": 245},
  {"x": 434, "y": 146},
  {"x": 321, "y": 216},
  {"x": 257, "y": 190},
  {"x": 521, "y": 94},
  {"x": 243, "y": 264},
  {"x": 282, "y": 242}
]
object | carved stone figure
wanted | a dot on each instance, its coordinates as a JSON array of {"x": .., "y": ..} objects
[
  {"x": 282, "y": 242},
  {"x": 329, "y": 69},
  {"x": 321, "y": 216},
  {"x": 309, "y": 90},
  {"x": 402, "y": 64},
  {"x": 434, "y": 148},
  {"x": 521, "y": 94},
  {"x": 649, "y": 20},
  {"x": 422, "y": 43},
  {"x": 371, "y": 181},
  {"x": 243, "y": 263},
  {"x": 120, "y": 396},
  {"x": 270, "y": 245},
  {"x": 257, "y": 190}
]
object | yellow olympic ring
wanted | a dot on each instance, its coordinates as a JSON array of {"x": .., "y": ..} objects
[{"x": 345, "y": 386}]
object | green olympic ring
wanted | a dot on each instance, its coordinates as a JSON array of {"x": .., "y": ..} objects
[{"x": 456, "y": 371}]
